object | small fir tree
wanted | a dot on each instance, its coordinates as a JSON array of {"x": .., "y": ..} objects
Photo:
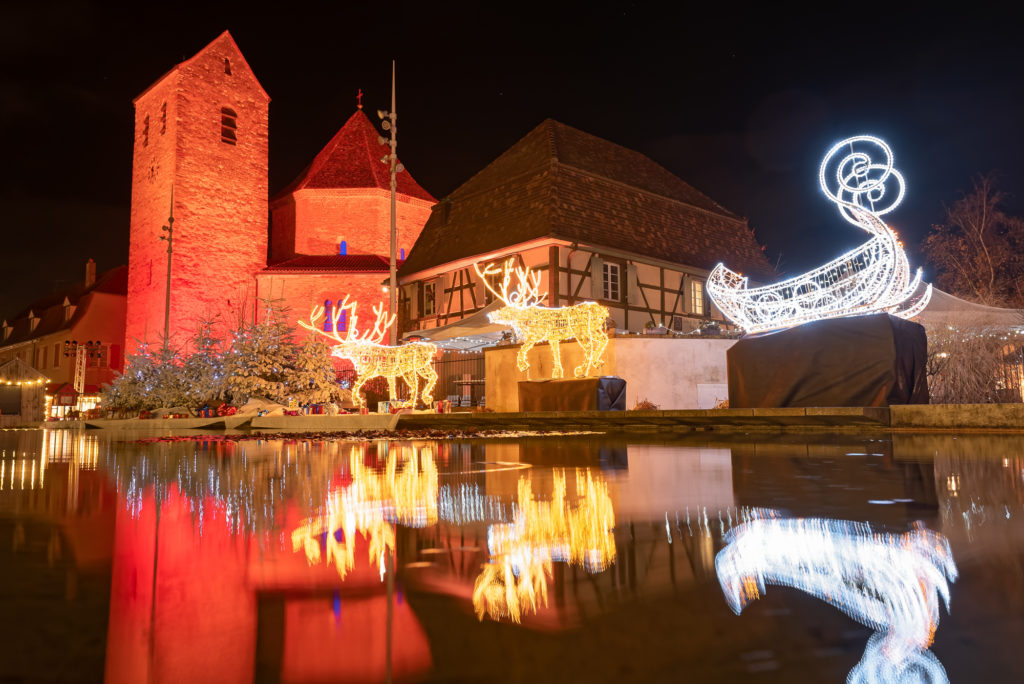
[
  {"x": 313, "y": 379},
  {"x": 150, "y": 380},
  {"x": 203, "y": 369},
  {"x": 261, "y": 356}
]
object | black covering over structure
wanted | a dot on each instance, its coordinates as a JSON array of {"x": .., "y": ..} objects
[
  {"x": 606, "y": 393},
  {"x": 874, "y": 360}
]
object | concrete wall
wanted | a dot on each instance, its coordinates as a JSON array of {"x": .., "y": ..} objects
[{"x": 674, "y": 373}]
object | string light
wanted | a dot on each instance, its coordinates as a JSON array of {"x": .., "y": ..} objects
[
  {"x": 889, "y": 582},
  {"x": 372, "y": 359},
  {"x": 532, "y": 323},
  {"x": 873, "y": 278}
]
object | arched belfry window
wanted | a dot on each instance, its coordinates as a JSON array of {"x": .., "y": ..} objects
[{"x": 228, "y": 126}]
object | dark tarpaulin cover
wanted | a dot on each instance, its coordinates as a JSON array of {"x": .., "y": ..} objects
[
  {"x": 607, "y": 393},
  {"x": 874, "y": 360}
]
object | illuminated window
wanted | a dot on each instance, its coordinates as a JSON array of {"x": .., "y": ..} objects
[
  {"x": 343, "y": 247},
  {"x": 611, "y": 282},
  {"x": 145, "y": 131},
  {"x": 697, "y": 297},
  {"x": 228, "y": 126},
  {"x": 429, "y": 296},
  {"x": 342, "y": 318}
]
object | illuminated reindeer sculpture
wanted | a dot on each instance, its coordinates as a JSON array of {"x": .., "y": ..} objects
[
  {"x": 533, "y": 323},
  {"x": 373, "y": 359}
]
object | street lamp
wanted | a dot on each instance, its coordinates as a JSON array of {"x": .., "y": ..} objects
[
  {"x": 169, "y": 228},
  {"x": 389, "y": 122}
]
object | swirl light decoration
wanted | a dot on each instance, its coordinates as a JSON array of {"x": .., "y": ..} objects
[
  {"x": 874, "y": 278},
  {"x": 889, "y": 582}
]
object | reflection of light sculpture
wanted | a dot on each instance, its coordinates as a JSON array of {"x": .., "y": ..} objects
[
  {"x": 889, "y": 582},
  {"x": 371, "y": 505},
  {"x": 515, "y": 579},
  {"x": 533, "y": 323},
  {"x": 372, "y": 359},
  {"x": 874, "y": 278}
]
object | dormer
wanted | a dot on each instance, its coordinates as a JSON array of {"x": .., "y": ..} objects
[
  {"x": 33, "y": 321},
  {"x": 6, "y": 329},
  {"x": 69, "y": 309}
]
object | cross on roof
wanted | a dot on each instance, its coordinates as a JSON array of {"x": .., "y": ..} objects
[{"x": 359, "y": 99}]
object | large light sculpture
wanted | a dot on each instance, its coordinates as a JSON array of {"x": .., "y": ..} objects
[
  {"x": 372, "y": 359},
  {"x": 532, "y": 323},
  {"x": 889, "y": 582},
  {"x": 874, "y": 278}
]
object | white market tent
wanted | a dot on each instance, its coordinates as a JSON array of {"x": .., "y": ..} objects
[
  {"x": 945, "y": 309},
  {"x": 469, "y": 334}
]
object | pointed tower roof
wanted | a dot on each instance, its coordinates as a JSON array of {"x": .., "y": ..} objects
[
  {"x": 560, "y": 182},
  {"x": 352, "y": 160},
  {"x": 225, "y": 39}
]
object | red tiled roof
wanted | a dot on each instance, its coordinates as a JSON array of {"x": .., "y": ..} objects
[
  {"x": 352, "y": 159},
  {"x": 344, "y": 263},
  {"x": 560, "y": 182}
]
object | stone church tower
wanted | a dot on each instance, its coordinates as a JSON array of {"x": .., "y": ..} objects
[{"x": 200, "y": 130}]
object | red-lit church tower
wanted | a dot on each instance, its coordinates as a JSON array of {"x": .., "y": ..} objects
[
  {"x": 330, "y": 229},
  {"x": 200, "y": 130}
]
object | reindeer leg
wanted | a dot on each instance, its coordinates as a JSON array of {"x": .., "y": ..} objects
[
  {"x": 430, "y": 375},
  {"x": 521, "y": 362},
  {"x": 392, "y": 393},
  {"x": 413, "y": 381},
  {"x": 357, "y": 397},
  {"x": 556, "y": 359}
]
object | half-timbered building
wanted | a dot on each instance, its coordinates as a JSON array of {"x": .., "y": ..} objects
[{"x": 599, "y": 221}]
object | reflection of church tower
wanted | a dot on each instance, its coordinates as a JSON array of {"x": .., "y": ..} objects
[{"x": 201, "y": 129}]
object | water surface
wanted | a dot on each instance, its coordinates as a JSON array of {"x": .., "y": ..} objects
[{"x": 536, "y": 559}]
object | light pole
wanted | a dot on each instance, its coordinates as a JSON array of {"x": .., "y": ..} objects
[
  {"x": 389, "y": 122},
  {"x": 169, "y": 228}
]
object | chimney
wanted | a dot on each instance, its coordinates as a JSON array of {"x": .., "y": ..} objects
[{"x": 90, "y": 273}]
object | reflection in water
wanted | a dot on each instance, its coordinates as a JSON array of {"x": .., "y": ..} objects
[
  {"x": 371, "y": 504},
  {"x": 515, "y": 579},
  {"x": 889, "y": 582}
]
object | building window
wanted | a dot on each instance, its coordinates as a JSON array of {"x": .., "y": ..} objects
[
  {"x": 429, "y": 296},
  {"x": 56, "y": 355},
  {"x": 163, "y": 118},
  {"x": 329, "y": 321},
  {"x": 227, "y": 66},
  {"x": 343, "y": 247},
  {"x": 493, "y": 283},
  {"x": 98, "y": 356},
  {"x": 228, "y": 126},
  {"x": 611, "y": 282},
  {"x": 697, "y": 297},
  {"x": 145, "y": 131}
]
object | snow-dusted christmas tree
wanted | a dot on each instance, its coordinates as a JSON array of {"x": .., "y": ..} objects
[
  {"x": 151, "y": 379},
  {"x": 203, "y": 369},
  {"x": 261, "y": 356},
  {"x": 313, "y": 379}
]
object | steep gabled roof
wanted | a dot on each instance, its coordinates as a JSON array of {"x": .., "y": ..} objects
[
  {"x": 559, "y": 182},
  {"x": 224, "y": 37},
  {"x": 352, "y": 159},
  {"x": 50, "y": 309}
]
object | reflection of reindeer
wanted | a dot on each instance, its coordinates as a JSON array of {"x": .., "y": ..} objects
[
  {"x": 583, "y": 322},
  {"x": 372, "y": 359}
]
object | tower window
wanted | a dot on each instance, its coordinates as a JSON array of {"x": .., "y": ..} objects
[
  {"x": 343, "y": 247},
  {"x": 163, "y": 118},
  {"x": 228, "y": 126},
  {"x": 227, "y": 66},
  {"x": 145, "y": 131},
  {"x": 330, "y": 322}
]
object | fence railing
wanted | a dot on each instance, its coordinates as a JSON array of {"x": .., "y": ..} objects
[{"x": 460, "y": 377}]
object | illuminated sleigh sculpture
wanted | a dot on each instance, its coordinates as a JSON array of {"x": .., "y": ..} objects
[
  {"x": 874, "y": 278},
  {"x": 890, "y": 582},
  {"x": 372, "y": 359},
  {"x": 533, "y": 323}
]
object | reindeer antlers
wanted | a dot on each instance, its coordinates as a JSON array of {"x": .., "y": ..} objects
[
  {"x": 527, "y": 292},
  {"x": 375, "y": 336}
]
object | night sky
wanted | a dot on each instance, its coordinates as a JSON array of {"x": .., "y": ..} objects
[{"x": 739, "y": 102}]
